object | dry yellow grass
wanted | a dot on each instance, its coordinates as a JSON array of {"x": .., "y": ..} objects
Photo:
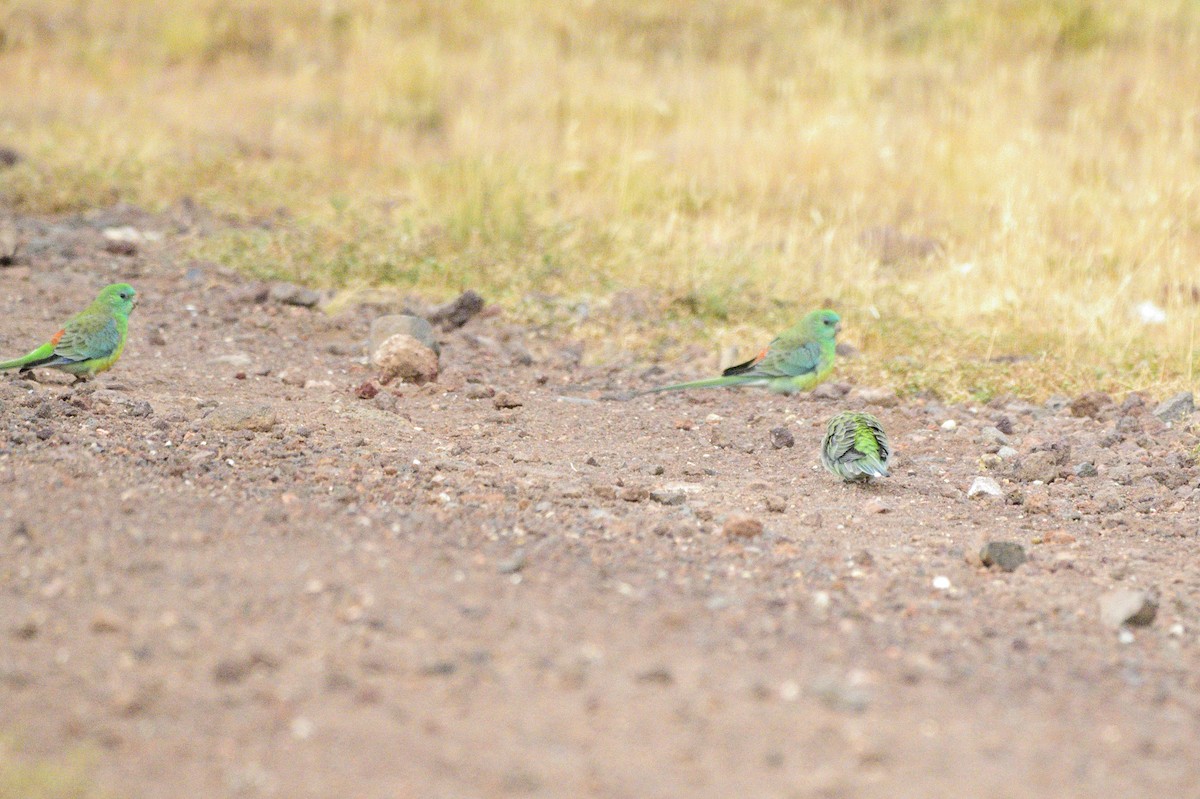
[
  {"x": 726, "y": 156},
  {"x": 27, "y": 778}
]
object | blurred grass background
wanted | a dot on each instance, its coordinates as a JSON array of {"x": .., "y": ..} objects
[
  {"x": 24, "y": 777},
  {"x": 998, "y": 196}
]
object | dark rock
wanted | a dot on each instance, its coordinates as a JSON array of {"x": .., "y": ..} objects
[
  {"x": 1090, "y": 404},
  {"x": 366, "y": 390},
  {"x": 457, "y": 312},
  {"x": 659, "y": 676},
  {"x": 9, "y": 157},
  {"x": 782, "y": 437},
  {"x": 1086, "y": 469},
  {"x": 1176, "y": 407},
  {"x": 1006, "y": 555}
]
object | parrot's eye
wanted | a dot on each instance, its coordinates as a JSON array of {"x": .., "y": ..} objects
[{"x": 124, "y": 296}]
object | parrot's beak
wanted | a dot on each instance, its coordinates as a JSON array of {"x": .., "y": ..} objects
[{"x": 837, "y": 328}]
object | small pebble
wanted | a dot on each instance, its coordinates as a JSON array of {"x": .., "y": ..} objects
[
  {"x": 739, "y": 526},
  {"x": 505, "y": 400},
  {"x": 875, "y": 506},
  {"x": 782, "y": 437}
]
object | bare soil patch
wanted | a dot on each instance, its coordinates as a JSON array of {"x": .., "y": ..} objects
[{"x": 228, "y": 573}]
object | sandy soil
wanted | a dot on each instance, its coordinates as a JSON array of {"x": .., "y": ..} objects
[{"x": 227, "y": 574}]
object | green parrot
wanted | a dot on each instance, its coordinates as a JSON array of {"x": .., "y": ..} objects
[
  {"x": 89, "y": 342},
  {"x": 796, "y": 360},
  {"x": 855, "y": 447}
]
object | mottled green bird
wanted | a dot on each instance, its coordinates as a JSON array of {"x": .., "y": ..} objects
[
  {"x": 89, "y": 342},
  {"x": 796, "y": 360},
  {"x": 855, "y": 447}
]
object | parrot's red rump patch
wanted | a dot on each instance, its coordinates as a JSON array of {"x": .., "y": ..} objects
[{"x": 57, "y": 336}]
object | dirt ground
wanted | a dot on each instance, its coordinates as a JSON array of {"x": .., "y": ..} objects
[{"x": 224, "y": 573}]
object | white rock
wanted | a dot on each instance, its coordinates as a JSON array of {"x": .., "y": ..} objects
[
  {"x": 984, "y": 487},
  {"x": 949, "y": 424}
]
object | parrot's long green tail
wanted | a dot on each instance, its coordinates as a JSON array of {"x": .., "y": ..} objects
[
  {"x": 42, "y": 353},
  {"x": 712, "y": 382},
  {"x": 15, "y": 363}
]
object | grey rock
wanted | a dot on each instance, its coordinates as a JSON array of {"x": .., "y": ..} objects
[
  {"x": 830, "y": 391},
  {"x": 1042, "y": 465},
  {"x": 1176, "y": 407},
  {"x": 384, "y": 327},
  {"x": 1056, "y": 403},
  {"x": 1086, "y": 469},
  {"x": 291, "y": 294},
  {"x": 1006, "y": 453},
  {"x": 479, "y": 391},
  {"x": 884, "y": 398},
  {"x": 1006, "y": 555},
  {"x": 992, "y": 435},
  {"x": 667, "y": 496},
  {"x": 259, "y": 418},
  {"x": 1127, "y": 606},
  {"x": 513, "y": 564}
]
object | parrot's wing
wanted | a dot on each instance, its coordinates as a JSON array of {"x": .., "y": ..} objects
[
  {"x": 86, "y": 337},
  {"x": 748, "y": 366},
  {"x": 793, "y": 362}
]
